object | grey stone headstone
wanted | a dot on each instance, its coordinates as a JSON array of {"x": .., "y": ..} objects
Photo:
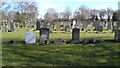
[
  {"x": 100, "y": 28},
  {"x": 51, "y": 27},
  {"x": 115, "y": 27},
  {"x": 12, "y": 26},
  {"x": 37, "y": 25},
  {"x": 109, "y": 25},
  {"x": 97, "y": 23},
  {"x": 0, "y": 26},
  {"x": 67, "y": 28},
  {"x": 85, "y": 25},
  {"x": 75, "y": 34},
  {"x": 30, "y": 37},
  {"x": 117, "y": 35},
  {"x": 44, "y": 35},
  {"x": 6, "y": 27}
]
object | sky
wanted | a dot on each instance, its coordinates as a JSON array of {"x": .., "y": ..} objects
[{"x": 60, "y": 5}]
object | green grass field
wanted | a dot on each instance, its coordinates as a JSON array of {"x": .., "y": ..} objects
[{"x": 100, "y": 54}]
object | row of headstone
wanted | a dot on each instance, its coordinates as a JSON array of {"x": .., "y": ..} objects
[
  {"x": 44, "y": 36},
  {"x": 57, "y": 26},
  {"x": 66, "y": 26}
]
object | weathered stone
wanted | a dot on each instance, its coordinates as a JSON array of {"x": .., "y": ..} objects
[
  {"x": 75, "y": 34},
  {"x": 30, "y": 38},
  {"x": 117, "y": 35},
  {"x": 12, "y": 26},
  {"x": 59, "y": 41},
  {"x": 115, "y": 28},
  {"x": 100, "y": 28},
  {"x": 37, "y": 25},
  {"x": 109, "y": 25},
  {"x": 44, "y": 35},
  {"x": 68, "y": 29}
]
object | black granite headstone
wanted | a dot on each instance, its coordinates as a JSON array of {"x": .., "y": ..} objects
[
  {"x": 75, "y": 34},
  {"x": 37, "y": 25},
  {"x": 44, "y": 35}
]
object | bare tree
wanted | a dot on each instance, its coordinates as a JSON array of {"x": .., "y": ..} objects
[
  {"x": 109, "y": 13},
  {"x": 51, "y": 14},
  {"x": 67, "y": 13},
  {"x": 82, "y": 13},
  {"x": 102, "y": 13}
]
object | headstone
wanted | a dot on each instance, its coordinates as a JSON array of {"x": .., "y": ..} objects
[
  {"x": 117, "y": 35},
  {"x": 44, "y": 35},
  {"x": 6, "y": 27},
  {"x": 0, "y": 27},
  {"x": 12, "y": 26},
  {"x": 115, "y": 28},
  {"x": 75, "y": 34},
  {"x": 30, "y": 37},
  {"x": 59, "y": 41},
  {"x": 67, "y": 29},
  {"x": 78, "y": 24},
  {"x": 85, "y": 25},
  {"x": 109, "y": 25},
  {"x": 64, "y": 24},
  {"x": 44, "y": 24},
  {"x": 51, "y": 27},
  {"x": 100, "y": 28},
  {"x": 57, "y": 26},
  {"x": 37, "y": 25},
  {"x": 97, "y": 23}
]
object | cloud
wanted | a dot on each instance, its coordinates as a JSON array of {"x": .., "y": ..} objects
[
  {"x": 84, "y": 0},
  {"x": 60, "y": 5}
]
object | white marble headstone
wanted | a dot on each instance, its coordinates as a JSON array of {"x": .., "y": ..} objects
[{"x": 30, "y": 37}]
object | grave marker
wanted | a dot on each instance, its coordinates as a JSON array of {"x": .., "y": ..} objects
[
  {"x": 0, "y": 27},
  {"x": 115, "y": 28},
  {"x": 117, "y": 35},
  {"x": 44, "y": 35},
  {"x": 30, "y": 37},
  {"x": 67, "y": 29},
  {"x": 37, "y": 25},
  {"x": 100, "y": 28},
  {"x": 75, "y": 34},
  {"x": 12, "y": 26}
]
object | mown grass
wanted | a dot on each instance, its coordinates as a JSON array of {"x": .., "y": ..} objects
[{"x": 100, "y": 54}]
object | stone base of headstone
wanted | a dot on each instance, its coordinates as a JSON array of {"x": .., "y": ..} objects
[
  {"x": 44, "y": 42},
  {"x": 86, "y": 41},
  {"x": 76, "y": 41},
  {"x": 59, "y": 41},
  {"x": 117, "y": 35}
]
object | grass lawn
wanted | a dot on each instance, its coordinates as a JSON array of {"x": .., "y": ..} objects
[{"x": 100, "y": 54}]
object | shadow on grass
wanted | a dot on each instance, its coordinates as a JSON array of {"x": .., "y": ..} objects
[{"x": 72, "y": 55}]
